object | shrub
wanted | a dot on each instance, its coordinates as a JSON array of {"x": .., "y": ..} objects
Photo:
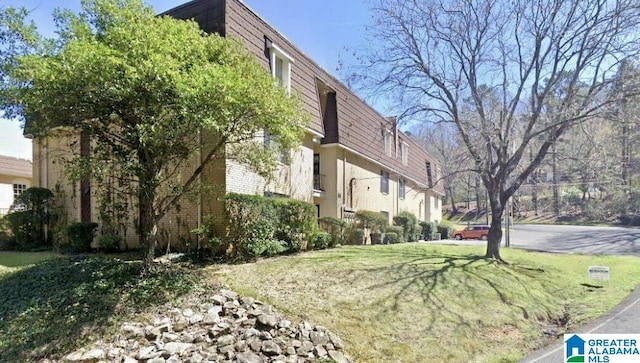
[
  {"x": 29, "y": 224},
  {"x": 392, "y": 237},
  {"x": 398, "y": 231},
  {"x": 375, "y": 221},
  {"x": 79, "y": 236},
  {"x": 265, "y": 226},
  {"x": 338, "y": 229},
  {"x": 446, "y": 228},
  {"x": 109, "y": 243},
  {"x": 429, "y": 230},
  {"x": 356, "y": 236},
  {"x": 409, "y": 223},
  {"x": 320, "y": 240}
]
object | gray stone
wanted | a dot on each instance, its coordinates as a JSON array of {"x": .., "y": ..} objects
[
  {"x": 291, "y": 350},
  {"x": 268, "y": 320},
  {"x": 210, "y": 319},
  {"x": 285, "y": 324},
  {"x": 187, "y": 338},
  {"x": 255, "y": 344},
  {"x": 306, "y": 347},
  {"x": 228, "y": 294},
  {"x": 196, "y": 318},
  {"x": 226, "y": 340},
  {"x": 157, "y": 360},
  {"x": 248, "y": 357},
  {"x": 319, "y": 338},
  {"x": 270, "y": 348},
  {"x": 132, "y": 331},
  {"x": 173, "y": 359},
  {"x": 329, "y": 346},
  {"x": 130, "y": 360},
  {"x": 94, "y": 355},
  {"x": 196, "y": 358},
  {"x": 147, "y": 353},
  {"x": 241, "y": 312},
  {"x": 170, "y": 337},
  {"x": 247, "y": 301},
  {"x": 251, "y": 332},
  {"x": 151, "y": 332},
  {"x": 187, "y": 313},
  {"x": 336, "y": 341},
  {"x": 74, "y": 357},
  {"x": 319, "y": 351},
  {"x": 180, "y": 325},
  {"x": 216, "y": 309},
  {"x": 219, "y": 299},
  {"x": 337, "y": 356},
  {"x": 177, "y": 348},
  {"x": 296, "y": 343},
  {"x": 114, "y": 353}
]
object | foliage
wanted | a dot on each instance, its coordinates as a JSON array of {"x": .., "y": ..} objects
[
  {"x": 59, "y": 305},
  {"x": 28, "y": 225},
  {"x": 338, "y": 229},
  {"x": 429, "y": 230},
  {"x": 259, "y": 225},
  {"x": 145, "y": 90},
  {"x": 397, "y": 234},
  {"x": 409, "y": 222},
  {"x": 79, "y": 236},
  {"x": 375, "y": 221},
  {"x": 321, "y": 241},
  {"x": 297, "y": 218},
  {"x": 356, "y": 236},
  {"x": 446, "y": 228},
  {"x": 109, "y": 243},
  {"x": 392, "y": 237},
  {"x": 212, "y": 238}
]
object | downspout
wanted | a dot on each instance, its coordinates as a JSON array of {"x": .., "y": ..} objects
[{"x": 199, "y": 206}]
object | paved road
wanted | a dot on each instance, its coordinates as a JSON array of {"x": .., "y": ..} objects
[{"x": 573, "y": 239}]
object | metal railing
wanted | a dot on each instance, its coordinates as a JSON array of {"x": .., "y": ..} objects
[{"x": 318, "y": 182}]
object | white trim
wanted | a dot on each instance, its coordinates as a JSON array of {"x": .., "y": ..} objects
[{"x": 277, "y": 49}]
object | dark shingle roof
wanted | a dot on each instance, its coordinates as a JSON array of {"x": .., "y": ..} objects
[{"x": 15, "y": 167}]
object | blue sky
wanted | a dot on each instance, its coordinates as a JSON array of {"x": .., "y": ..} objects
[{"x": 326, "y": 31}]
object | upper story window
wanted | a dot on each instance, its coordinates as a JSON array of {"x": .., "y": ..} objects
[
  {"x": 404, "y": 153},
  {"x": 18, "y": 189},
  {"x": 281, "y": 63},
  {"x": 384, "y": 182},
  {"x": 387, "y": 139},
  {"x": 402, "y": 188},
  {"x": 429, "y": 176}
]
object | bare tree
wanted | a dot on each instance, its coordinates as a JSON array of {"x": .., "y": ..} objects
[{"x": 434, "y": 55}]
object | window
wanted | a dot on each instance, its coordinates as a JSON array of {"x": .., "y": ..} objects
[
  {"x": 429, "y": 177},
  {"x": 404, "y": 153},
  {"x": 402, "y": 186},
  {"x": 280, "y": 65},
  {"x": 387, "y": 139},
  {"x": 18, "y": 189},
  {"x": 436, "y": 201},
  {"x": 384, "y": 182},
  {"x": 283, "y": 155}
]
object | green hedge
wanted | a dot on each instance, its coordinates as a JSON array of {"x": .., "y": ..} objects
[
  {"x": 429, "y": 230},
  {"x": 395, "y": 234},
  {"x": 28, "y": 225},
  {"x": 78, "y": 237},
  {"x": 446, "y": 228},
  {"x": 409, "y": 222},
  {"x": 375, "y": 221},
  {"x": 338, "y": 229},
  {"x": 261, "y": 226}
]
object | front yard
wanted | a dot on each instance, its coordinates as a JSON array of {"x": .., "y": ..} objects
[{"x": 392, "y": 303}]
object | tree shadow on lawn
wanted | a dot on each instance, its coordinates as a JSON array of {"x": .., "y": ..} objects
[
  {"x": 427, "y": 274},
  {"x": 55, "y": 306}
]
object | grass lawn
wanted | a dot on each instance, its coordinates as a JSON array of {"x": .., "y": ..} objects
[
  {"x": 435, "y": 303},
  {"x": 10, "y": 260}
]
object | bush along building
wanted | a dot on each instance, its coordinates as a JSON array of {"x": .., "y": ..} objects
[{"x": 351, "y": 158}]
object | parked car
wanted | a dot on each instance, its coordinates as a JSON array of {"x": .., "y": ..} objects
[{"x": 475, "y": 232}]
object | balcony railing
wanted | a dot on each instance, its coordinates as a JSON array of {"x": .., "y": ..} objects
[{"x": 318, "y": 182}]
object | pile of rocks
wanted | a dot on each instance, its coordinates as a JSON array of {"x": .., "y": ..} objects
[{"x": 227, "y": 328}]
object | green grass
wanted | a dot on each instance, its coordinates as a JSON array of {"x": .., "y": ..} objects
[
  {"x": 426, "y": 303},
  {"x": 55, "y": 306},
  {"x": 10, "y": 261}
]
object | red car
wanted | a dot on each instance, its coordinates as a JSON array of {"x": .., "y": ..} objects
[{"x": 475, "y": 232}]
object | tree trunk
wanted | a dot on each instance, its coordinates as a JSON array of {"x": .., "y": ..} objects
[
  {"x": 147, "y": 229},
  {"x": 454, "y": 210},
  {"x": 556, "y": 187},
  {"x": 495, "y": 231}
]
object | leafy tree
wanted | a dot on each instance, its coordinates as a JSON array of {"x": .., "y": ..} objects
[
  {"x": 489, "y": 67},
  {"x": 147, "y": 91}
]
